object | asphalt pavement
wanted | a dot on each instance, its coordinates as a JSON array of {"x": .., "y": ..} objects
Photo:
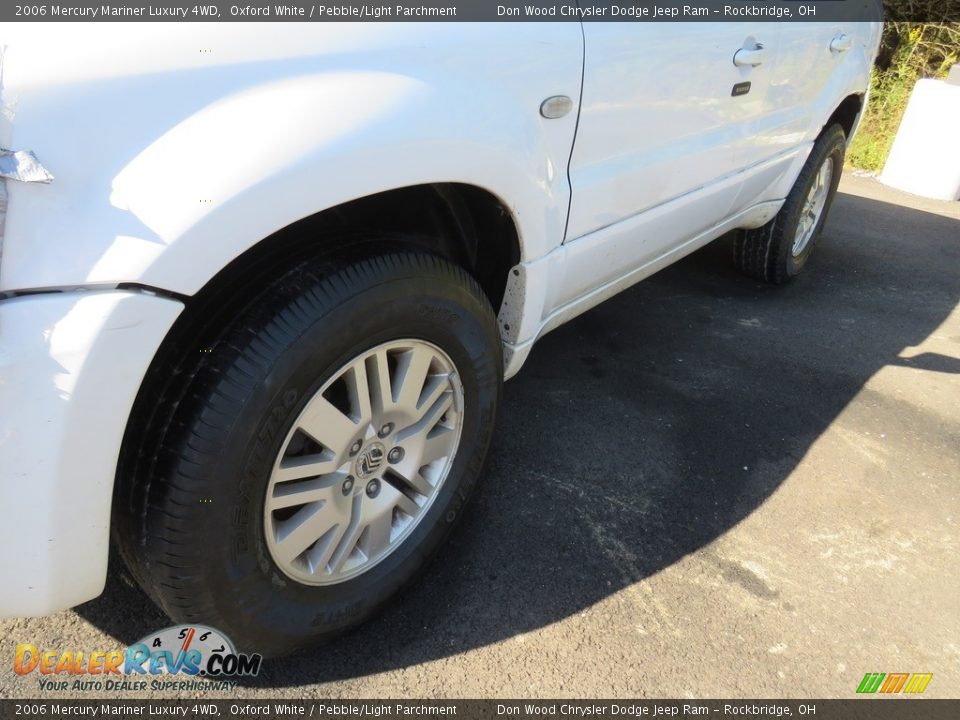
[{"x": 705, "y": 487}]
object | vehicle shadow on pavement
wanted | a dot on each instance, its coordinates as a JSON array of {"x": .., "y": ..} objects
[{"x": 642, "y": 431}]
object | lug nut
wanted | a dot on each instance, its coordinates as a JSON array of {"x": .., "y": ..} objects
[
  {"x": 395, "y": 455},
  {"x": 373, "y": 488},
  {"x": 355, "y": 448},
  {"x": 386, "y": 430},
  {"x": 348, "y": 485}
]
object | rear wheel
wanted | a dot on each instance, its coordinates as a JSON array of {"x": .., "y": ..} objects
[
  {"x": 325, "y": 448},
  {"x": 779, "y": 250}
]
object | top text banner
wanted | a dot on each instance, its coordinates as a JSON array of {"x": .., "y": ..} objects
[{"x": 470, "y": 11}]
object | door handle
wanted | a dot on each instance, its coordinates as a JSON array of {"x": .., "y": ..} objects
[
  {"x": 841, "y": 43},
  {"x": 749, "y": 58}
]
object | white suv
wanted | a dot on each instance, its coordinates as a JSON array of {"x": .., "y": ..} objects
[{"x": 256, "y": 327}]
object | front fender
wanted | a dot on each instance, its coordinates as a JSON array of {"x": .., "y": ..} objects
[{"x": 172, "y": 164}]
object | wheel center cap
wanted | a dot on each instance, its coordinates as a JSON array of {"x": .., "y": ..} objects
[{"x": 370, "y": 460}]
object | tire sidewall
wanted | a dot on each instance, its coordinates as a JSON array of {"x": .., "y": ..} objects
[{"x": 830, "y": 145}]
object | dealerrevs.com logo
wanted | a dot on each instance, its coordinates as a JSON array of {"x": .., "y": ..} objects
[{"x": 171, "y": 659}]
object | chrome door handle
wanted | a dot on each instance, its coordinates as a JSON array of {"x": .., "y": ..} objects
[
  {"x": 841, "y": 43},
  {"x": 749, "y": 58}
]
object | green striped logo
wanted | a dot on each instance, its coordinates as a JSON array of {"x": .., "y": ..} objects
[{"x": 891, "y": 683}]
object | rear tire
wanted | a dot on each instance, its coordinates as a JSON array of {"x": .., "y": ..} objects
[
  {"x": 778, "y": 251},
  {"x": 194, "y": 526}
]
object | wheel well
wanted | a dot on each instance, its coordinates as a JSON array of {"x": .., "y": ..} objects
[
  {"x": 463, "y": 223},
  {"x": 846, "y": 114}
]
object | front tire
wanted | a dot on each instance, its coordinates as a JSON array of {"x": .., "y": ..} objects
[
  {"x": 778, "y": 251},
  {"x": 324, "y": 450}
]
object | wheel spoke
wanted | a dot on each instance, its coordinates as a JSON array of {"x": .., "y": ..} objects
[
  {"x": 428, "y": 417},
  {"x": 348, "y": 541},
  {"x": 439, "y": 443},
  {"x": 284, "y": 495},
  {"x": 319, "y": 555},
  {"x": 379, "y": 383},
  {"x": 359, "y": 389},
  {"x": 328, "y": 425},
  {"x": 298, "y": 468},
  {"x": 407, "y": 505},
  {"x": 423, "y": 449},
  {"x": 412, "y": 374},
  {"x": 436, "y": 411},
  {"x": 304, "y": 528},
  {"x": 408, "y": 473},
  {"x": 434, "y": 387},
  {"x": 376, "y": 536}
]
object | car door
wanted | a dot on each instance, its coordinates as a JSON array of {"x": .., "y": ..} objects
[
  {"x": 801, "y": 92},
  {"x": 665, "y": 115}
]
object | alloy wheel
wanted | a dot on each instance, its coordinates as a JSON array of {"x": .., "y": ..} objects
[{"x": 363, "y": 462}]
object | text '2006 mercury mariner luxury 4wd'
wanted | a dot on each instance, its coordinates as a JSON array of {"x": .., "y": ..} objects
[{"x": 255, "y": 327}]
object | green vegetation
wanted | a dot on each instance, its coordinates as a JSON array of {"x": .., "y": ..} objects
[{"x": 909, "y": 51}]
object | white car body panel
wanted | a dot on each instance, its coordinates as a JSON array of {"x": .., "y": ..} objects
[
  {"x": 70, "y": 366},
  {"x": 176, "y": 148},
  {"x": 175, "y": 161},
  {"x": 584, "y": 273},
  {"x": 653, "y": 126},
  {"x": 592, "y": 267}
]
